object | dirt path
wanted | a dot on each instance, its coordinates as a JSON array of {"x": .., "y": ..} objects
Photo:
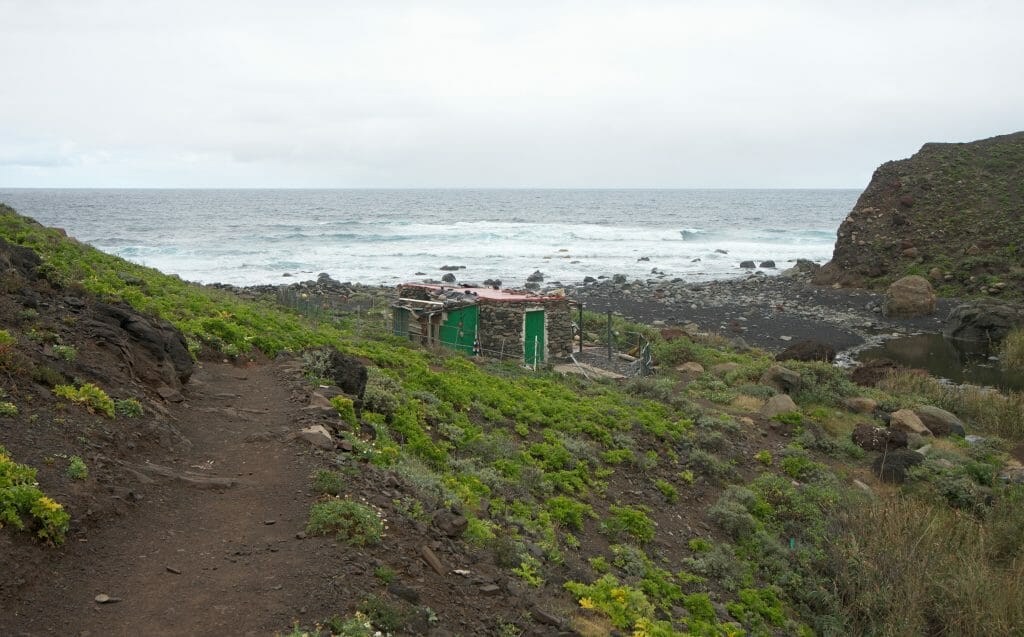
[{"x": 196, "y": 557}]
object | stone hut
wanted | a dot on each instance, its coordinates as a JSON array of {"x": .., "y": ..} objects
[{"x": 526, "y": 325}]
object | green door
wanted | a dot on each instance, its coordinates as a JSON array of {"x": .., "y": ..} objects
[
  {"x": 459, "y": 329},
  {"x": 533, "y": 338}
]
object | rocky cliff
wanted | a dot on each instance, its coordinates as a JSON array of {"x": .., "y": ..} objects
[{"x": 952, "y": 212}]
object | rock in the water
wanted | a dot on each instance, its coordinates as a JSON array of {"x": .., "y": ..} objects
[
  {"x": 906, "y": 420},
  {"x": 939, "y": 421},
  {"x": 873, "y": 438},
  {"x": 536, "y": 277},
  {"x": 909, "y": 297},
  {"x": 318, "y": 436},
  {"x": 778, "y": 404},
  {"x": 860, "y": 404},
  {"x": 807, "y": 350},
  {"x": 448, "y": 278},
  {"x": 781, "y": 378},
  {"x": 892, "y": 466},
  {"x": 768, "y": 263},
  {"x": 748, "y": 265},
  {"x": 985, "y": 321}
]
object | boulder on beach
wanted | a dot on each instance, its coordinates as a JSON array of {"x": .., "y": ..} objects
[{"x": 909, "y": 297}]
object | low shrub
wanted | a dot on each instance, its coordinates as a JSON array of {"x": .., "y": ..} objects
[
  {"x": 352, "y": 522},
  {"x": 90, "y": 396},
  {"x": 76, "y": 469},
  {"x": 129, "y": 407},
  {"x": 65, "y": 352},
  {"x": 328, "y": 482},
  {"x": 626, "y": 522},
  {"x": 20, "y": 498}
]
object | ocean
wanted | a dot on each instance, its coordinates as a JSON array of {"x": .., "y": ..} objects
[{"x": 249, "y": 237}]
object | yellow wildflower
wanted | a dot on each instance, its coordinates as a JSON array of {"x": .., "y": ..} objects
[
  {"x": 586, "y": 602},
  {"x": 48, "y": 504}
]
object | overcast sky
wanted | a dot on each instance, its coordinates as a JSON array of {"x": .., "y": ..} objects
[{"x": 455, "y": 94}]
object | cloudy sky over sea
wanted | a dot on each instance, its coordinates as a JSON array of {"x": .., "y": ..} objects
[{"x": 312, "y": 93}]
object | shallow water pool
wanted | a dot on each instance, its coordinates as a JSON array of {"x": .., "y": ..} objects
[{"x": 957, "y": 361}]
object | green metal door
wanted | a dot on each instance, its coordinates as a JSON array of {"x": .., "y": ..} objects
[
  {"x": 459, "y": 329},
  {"x": 533, "y": 338}
]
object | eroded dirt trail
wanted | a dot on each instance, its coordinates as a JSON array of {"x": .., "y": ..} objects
[{"x": 196, "y": 557}]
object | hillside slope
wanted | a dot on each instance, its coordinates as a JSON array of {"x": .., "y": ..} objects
[
  {"x": 953, "y": 212},
  {"x": 450, "y": 495}
]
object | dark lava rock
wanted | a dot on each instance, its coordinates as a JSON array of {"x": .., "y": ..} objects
[
  {"x": 155, "y": 350},
  {"x": 536, "y": 277},
  {"x": 448, "y": 278},
  {"x": 347, "y": 372},
  {"x": 892, "y": 466},
  {"x": 749, "y": 265},
  {"x": 449, "y": 523},
  {"x": 873, "y": 438},
  {"x": 767, "y": 264},
  {"x": 22, "y": 260},
  {"x": 807, "y": 350},
  {"x": 987, "y": 321}
]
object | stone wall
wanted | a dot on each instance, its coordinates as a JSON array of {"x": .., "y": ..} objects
[
  {"x": 501, "y": 327},
  {"x": 414, "y": 292}
]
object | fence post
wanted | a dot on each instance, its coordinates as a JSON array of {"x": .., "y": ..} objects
[
  {"x": 581, "y": 327},
  {"x": 609, "y": 334}
]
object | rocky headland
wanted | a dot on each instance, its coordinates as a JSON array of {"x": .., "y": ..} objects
[{"x": 953, "y": 213}]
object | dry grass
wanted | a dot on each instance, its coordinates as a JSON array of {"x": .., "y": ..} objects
[
  {"x": 982, "y": 410},
  {"x": 1011, "y": 352},
  {"x": 747, "y": 403},
  {"x": 909, "y": 567}
]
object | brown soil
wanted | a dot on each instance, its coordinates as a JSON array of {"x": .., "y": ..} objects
[{"x": 159, "y": 529}]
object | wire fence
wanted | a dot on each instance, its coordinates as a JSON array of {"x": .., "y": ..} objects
[{"x": 369, "y": 316}]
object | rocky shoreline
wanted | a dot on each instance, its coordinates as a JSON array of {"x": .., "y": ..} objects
[{"x": 766, "y": 311}]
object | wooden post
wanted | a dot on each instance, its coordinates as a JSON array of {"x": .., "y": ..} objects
[
  {"x": 609, "y": 334},
  {"x": 581, "y": 327}
]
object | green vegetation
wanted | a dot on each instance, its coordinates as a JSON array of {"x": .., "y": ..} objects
[
  {"x": 352, "y": 522},
  {"x": 76, "y": 469},
  {"x": 21, "y": 499},
  {"x": 8, "y": 409},
  {"x": 540, "y": 465},
  {"x": 989, "y": 412},
  {"x": 90, "y": 396},
  {"x": 345, "y": 408},
  {"x": 129, "y": 408},
  {"x": 65, "y": 352}
]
